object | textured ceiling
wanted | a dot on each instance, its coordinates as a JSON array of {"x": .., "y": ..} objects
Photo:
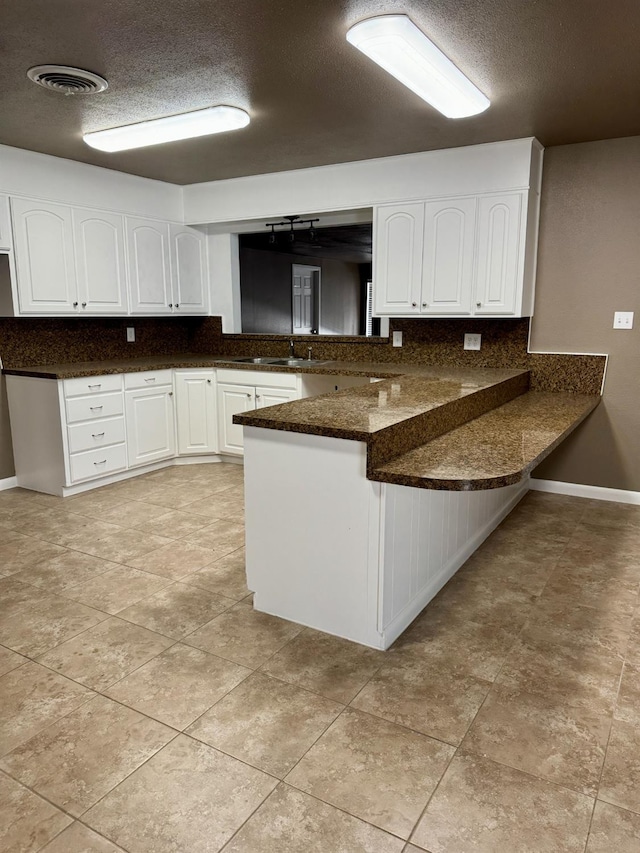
[{"x": 561, "y": 70}]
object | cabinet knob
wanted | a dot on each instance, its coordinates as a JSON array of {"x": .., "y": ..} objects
[
  {"x": 248, "y": 395},
  {"x": 75, "y": 304},
  {"x": 84, "y": 304},
  {"x": 209, "y": 381},
  {"x": 478, "y": 304},
  {"x": 414, "y": 304},
  {"x": 424, "y": 304},
  {"x": 171, "y": 305},
  {"x": 171, "y": 393},
  {"x": 177, "y": 304}
]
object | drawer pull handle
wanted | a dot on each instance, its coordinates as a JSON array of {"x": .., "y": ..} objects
[
  {"x": 102, "y": 462},
  {"x": 97, "y": 435},
  {"x": 150, "y": 379},
  {"x": 98, "y": 385},
  {"x": 95, "y": 408}
]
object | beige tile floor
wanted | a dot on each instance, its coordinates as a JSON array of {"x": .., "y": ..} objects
[{"x": 145, "y": 707}]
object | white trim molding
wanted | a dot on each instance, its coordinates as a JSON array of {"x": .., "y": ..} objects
[
  {"x": 579, "y": 490},
  {"x": 8, "y": 483}
]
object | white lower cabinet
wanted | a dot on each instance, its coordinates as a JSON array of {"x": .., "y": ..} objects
[
  {"x": 196, "y": 411},
  {"x": 242, "y": 390},
  {"x": 232, "y": 400},
  {"x": 151, "y": 430},
  {"x": 74, "y": 434}
]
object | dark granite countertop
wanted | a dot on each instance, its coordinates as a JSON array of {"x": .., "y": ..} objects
[
  {"x": 496, "y": 449},
  {"x": 191, "y": 360},
  {"x": 429, "y": 427}
]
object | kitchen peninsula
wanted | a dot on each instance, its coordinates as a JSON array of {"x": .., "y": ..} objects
[{"x": 361, "y": 504}]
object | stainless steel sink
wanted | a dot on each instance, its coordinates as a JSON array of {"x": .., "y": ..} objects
[
  {"x": 285, "y": 362},
  {"x": 256, "y": 360},
  {"x": 297, "y": 362}
]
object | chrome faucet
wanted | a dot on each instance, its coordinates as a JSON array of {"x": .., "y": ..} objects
[
  {"x": 309, "y": 351},
  {"x": 291, "y": 352}
]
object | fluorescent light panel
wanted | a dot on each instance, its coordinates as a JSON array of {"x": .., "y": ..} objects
[
  {"x": 185, "y": 126},
  {"x": 398, "y": 46}
]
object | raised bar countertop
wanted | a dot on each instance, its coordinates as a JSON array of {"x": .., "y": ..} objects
[{"x": 496, "y": 449}]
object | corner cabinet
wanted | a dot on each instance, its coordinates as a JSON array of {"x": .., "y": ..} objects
[
  {"x": 149, "y": 416},
  {"x": 456, "y": 257},
  {"x": 196, "y": 411}
]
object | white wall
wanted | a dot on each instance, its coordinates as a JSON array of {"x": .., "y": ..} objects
[
  {"x": 27, "y": 173},
  {"x": 493, "y": 167}
]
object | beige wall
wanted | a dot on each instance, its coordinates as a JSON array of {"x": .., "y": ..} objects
[{"x": 589, "y": 267}]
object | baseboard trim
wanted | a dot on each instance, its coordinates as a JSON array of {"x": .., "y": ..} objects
[
  {"x": 578, "y": 490},
  {"x": 8, "y": 483}
]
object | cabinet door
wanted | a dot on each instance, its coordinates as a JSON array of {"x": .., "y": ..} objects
[
  {"x": 43, "y": 235},
  {"x": 499, "y": 232},
  {"x": 189, "y": 270},
  {"x": 449, "y": 233},
  {"x": 196, "y": 411},
  {"x": 397, "y": 258},
  {"x": 149, "y": 266},
  {"x": 5, "y": 224},
  {"x": 232, "y": 400},
  {"x": 266, "y": 396},
  {"x": 151, "y": 431},
  {"x": 100, "y": 262}
]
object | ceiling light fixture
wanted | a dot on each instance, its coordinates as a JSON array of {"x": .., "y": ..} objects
[
  {"x": 398, "y": 46},
  {"x": 170, "y": 129}
]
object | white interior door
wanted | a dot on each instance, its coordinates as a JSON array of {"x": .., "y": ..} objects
[{"x": 305, "y": 299}]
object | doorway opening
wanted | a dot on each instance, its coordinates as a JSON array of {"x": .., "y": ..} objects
[{"x": 305, "y": 299}]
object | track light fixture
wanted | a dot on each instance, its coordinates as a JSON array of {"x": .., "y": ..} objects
[{"x": 291, "y": 221}]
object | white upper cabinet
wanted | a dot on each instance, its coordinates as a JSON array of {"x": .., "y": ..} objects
[
  {"x": 6, "y": 241},
  {"x": 43, "y": 239},
  {"x": 100, "y": 262},
  {"x": 397, "y": 258},
  {"x": 477, "y": 256},
  {"x": 149, "y": 266},
  {"x": 499, "y": 274},
  {"x": 447, "y": 277},
  {"x": 189, "y": 270}
]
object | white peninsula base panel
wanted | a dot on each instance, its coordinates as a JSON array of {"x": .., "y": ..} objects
[{"x": 329, "y": 549}]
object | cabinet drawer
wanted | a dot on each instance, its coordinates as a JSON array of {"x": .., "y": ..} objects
[
  {"x": 148, "y": 378},
  {"x": 90, "y": 408},
  {"x": 96, "y": 434},
  {"x": 84, "y": 385},
  {"x": 97, "y": 463}
]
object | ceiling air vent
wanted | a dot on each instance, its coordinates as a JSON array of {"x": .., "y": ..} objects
[{"x": 67, "y": 80}]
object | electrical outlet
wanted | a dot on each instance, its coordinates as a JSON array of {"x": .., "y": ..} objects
[
  {"x": 397, "y": 339},
  {"x": 623, "y": 320},
  {"x": 472, "y": 341},
  {"x": 131, "y": 334}
]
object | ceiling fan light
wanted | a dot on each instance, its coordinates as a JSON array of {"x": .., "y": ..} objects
[
  {"x": 169, "y": 129},
  {"x": 397, "y": 45}
]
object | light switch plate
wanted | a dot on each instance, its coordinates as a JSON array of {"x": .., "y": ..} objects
[
  {"x": 472, "y": 341},
  {"x": 131, "y": 334},
  {"x": 623, "y": 320},
  {"x": 397, "y": 339}
]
